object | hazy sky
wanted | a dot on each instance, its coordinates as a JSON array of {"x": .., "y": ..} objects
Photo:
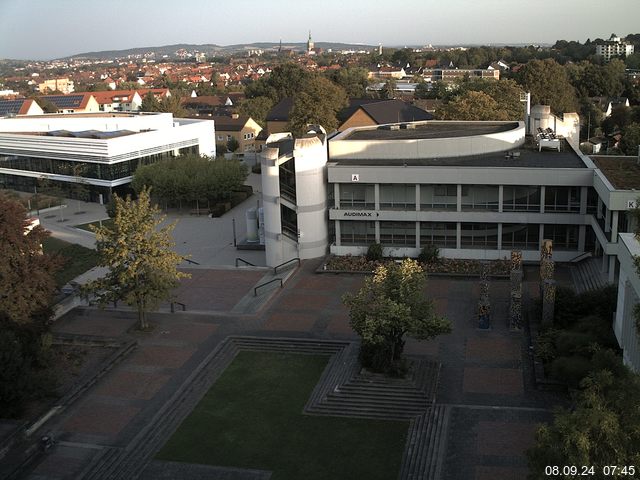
[{"x": 46, "y": 29}]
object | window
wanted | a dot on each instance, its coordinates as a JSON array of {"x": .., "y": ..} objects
[
  {"x": 220, "y": 138},
  {"x": 438, "y": 197},
  {"x": 520, "y": 236},
  {"x": 440, "y": 234},
  {"x": 357, "y": 196},
  {"x": 228, "y": 137},
  {"x": 479, "y": 235},
  {"x": 564, "y": 237},
  {"x": 398, "y": 196},
  {"x": 562, "y": 199},
  {"x": 357, "y": 233},
  {"x": 480, "y": 197},
  {"x": 398, "y": 234},
  {"x": 520, "y": 199}
]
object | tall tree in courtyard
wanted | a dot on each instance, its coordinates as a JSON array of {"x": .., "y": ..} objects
[
  {"x": 27, "y": 284},
  {"x": 138, "y": 252},
  {"x": 318, "y": 103},
  {"x": 389, "y": 306}
]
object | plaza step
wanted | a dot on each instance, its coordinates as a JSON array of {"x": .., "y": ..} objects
[{"x": 587, "y": 275}]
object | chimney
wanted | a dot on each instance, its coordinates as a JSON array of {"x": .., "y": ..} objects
[{"x": 235, "y": 116}]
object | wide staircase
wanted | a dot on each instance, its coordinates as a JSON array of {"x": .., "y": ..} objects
[{"x": 587, "y": 275}]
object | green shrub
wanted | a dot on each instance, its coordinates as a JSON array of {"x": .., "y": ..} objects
[
  {"x": 429, "y": 254},
  {"x": 374, "y": 252},
  {"x": 569, "y": 342},
  {"x": 571, "y": 370}
]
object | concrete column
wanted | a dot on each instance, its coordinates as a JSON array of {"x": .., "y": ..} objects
[
  {"x": 376, "y": 197},
  {"x": 500, "y": 200},
  {"x": 500, "y": 225},
  {"x": 337, "y": 232},
  {"x": 614, "y": 226},
  {"x": 584, "y": 191},
  {"x": 417, "y": 197},
  {"x": 541, "y": 237},
  {"x": 582, "y": 235},
  {"x": 459, "y": 199},
  {"x": 417, "y": 234},
  {"x": 377, "y": 231},
  {"x": 542, "y": 199},
  {"x": 603, "y": 267},
  {"x": 336, "y": 194},
  {"x": 612, "y": 268},
  {"x": 599, "y": 210},
  {"x": 607, "y": 221},
  {"x": 458, "y": 231}
]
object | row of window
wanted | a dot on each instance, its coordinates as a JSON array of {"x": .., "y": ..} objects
[
  {"x": 474, "y": 197},
  {"x": 444, "y": 235},
  {"x": 99, "y": 171}
]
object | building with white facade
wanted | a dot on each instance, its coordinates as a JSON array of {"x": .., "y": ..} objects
[
  {"x": 614, "y": 47},
  {"x": 101, "y": 150}
]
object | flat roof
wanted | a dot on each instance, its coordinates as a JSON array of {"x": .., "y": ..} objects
[
  {"x": 528, "y": 157},
  {"x": 622, "y": 171},
  {"x": 432, "y": 129}
]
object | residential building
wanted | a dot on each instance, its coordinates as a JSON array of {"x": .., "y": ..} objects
[
  {"x": 62, "y": 85},
  {"x": 20, "y": 106},
  {"x": 74, "y": 103},
  {"x": 118, "y": 100},
  {"x": 100, "y": 150},
  {"x": 614, "y": 47},
  {"x": 278, "y": 117},
  {"x": 453, "y": 74},
  {"x": 368, "y": 112},
  {"x": 244, "y": 129}
]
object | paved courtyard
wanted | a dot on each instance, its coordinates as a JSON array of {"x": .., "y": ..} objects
[{"x": 485, "y": 380}]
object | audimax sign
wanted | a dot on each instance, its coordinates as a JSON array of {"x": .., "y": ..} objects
[{"x": 361, "y": 214}]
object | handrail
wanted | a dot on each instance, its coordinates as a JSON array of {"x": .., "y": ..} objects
[
  {"x": 173, "y": 310},
  {"x": 580, "y": 257},
  {"x": 275, "y": 269},
  {"x": 190, "y": 261},
  {"x": 238, "y": 259},
  {"x": 255, "y": 290}
]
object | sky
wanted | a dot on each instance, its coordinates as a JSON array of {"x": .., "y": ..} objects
[{"x": 48, "y": 29}]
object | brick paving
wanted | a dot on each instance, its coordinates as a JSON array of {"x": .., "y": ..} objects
[{"x": 484, "y": 379}]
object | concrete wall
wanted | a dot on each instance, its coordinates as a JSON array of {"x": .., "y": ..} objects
[
  {"x": 628, "y": 295},
  {"x": 339, "y": 147}
]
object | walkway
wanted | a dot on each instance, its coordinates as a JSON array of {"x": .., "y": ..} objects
[{"x": 490, "y": 407}]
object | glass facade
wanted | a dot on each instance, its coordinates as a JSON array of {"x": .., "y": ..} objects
[
  {"x": 353, "y": 195},
  {"x": 397, "y": 196},
  {"x": 288, "y": 180},
  {"x": 480, "y": 197},
  {"x": 357, "y": 233},
  {"x": 562, "y": 199},
  {"x": 398, "y": 234},
  {"x": 438, "y": 197},
  {"x": 440, "y": 234},
  {"x": 520, "y": 236},
  {"x": 520, "y": 198},
  {"x": 564, "y": 237},
  {"x": 479, "y": 235}
]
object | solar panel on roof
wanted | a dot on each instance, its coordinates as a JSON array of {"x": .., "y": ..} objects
[{"x": 67, "y": 101}]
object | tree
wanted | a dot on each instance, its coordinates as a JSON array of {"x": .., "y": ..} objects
[
  {"x": 472, "y": 106},
  {"x": 318, "y": 103},
  {"x": 47, "y": 105},
  {"x": 389, "y": 89},
  {"x": 150, "y": 103},
  {"x": 354, "y": 80},
  {"x": 233, "y": 145},
  {"x": 548, "y": 83},
  {"x": 27, "y": 283},
  {"x": 630, "y": 139},
  {"x": 257, "y": 108},
  {"x": 173, "y": 104},
  {"x": 389, "y": 306},
  {"x": 602, "y": 429},
  {"x": 142, "y": 265}
]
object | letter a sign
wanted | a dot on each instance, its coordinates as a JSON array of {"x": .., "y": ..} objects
[{"x": 355, "y": 177}]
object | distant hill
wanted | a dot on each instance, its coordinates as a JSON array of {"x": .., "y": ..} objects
[{"x": 212, "y": 49}]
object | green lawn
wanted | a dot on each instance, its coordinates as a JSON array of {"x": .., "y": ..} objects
[
  {"x": 85, "y": 226},
  {"x": 77, "y": 259},
  {"x": 252, "y": 418}
]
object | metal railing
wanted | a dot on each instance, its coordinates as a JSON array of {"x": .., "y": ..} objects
[
  {"x": 255, "y": 290},
  {"x": 238, "y": 259},
  {"x": 275, "y": 269},
  {"x": 188, "y": 260},
  {"x": 173, "y": 309}
]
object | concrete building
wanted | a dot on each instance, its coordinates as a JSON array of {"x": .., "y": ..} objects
[
  {"x": 244, "y": 129},
  {"x": 62, "y": 85},
  {"x": 624, "y": 325},
  {"x": 100, "y": 150},
  {"x": 614, "y": 47}
]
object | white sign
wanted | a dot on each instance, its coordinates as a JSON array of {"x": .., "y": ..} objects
[
  {"x": 355, "y": 177},
  {"x": 632, "y": 204}
]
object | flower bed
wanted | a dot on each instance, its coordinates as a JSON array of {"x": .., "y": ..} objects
[{"x": 349, "y": 263}]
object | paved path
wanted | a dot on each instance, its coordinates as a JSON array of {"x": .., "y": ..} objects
[{"x": 485, "y": 384}]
